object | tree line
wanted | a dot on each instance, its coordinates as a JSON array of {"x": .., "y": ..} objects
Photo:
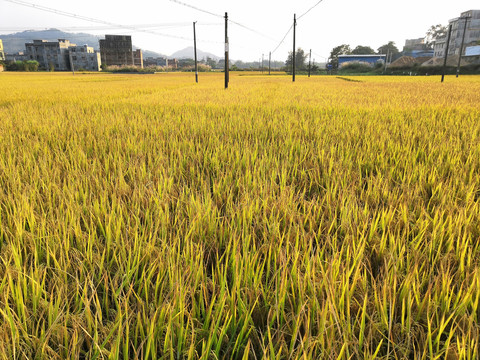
[{"x": 434, "y": 33}]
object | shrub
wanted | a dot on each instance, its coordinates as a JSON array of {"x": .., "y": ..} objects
[
  {"x": 355, "y": 67},
  {"x": 129, "y": 69},
  {"x": 29, "y": 65}
]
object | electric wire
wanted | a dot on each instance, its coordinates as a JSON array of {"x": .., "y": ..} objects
[
  {"x": 143, "y": 28},
  {"x": 98, "y": 21},
  {"x": 298, "y": 18},
  {"x": 324, "y": 57},
  {"x": 281, "y": 41},
  {"x": 306, "y": 12},
  {"x": 196, "y": 8},
  {"x": 221, "y": 16}
]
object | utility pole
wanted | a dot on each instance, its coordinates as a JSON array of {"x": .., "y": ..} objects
[
  {"x": 262, "y": 63},
  {"x": 386, "y": 60},
  {"x": 310, "y": 63},
  {"x": 269, "y": 62},
  {"x": 293, "y": 53},
  {"x": 446, "y": 51},
  {"x": 195, "y": 51},
  {"x": 226, "y": 52},
  {"x": 461, "y": 46}
]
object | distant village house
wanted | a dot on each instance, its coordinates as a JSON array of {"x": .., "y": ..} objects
[
  {"x": 117, "y": 50},
  {"x": 62, "y": 55}
]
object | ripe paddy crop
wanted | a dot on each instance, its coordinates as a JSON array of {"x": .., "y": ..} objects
[{"x": 150, "y": 217}]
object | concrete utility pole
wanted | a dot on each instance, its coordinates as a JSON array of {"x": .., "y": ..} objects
[
  {"x": 262, "y": 63},
  {"x": 226, "y": 52},
  {"x": 386, "y": 60},
  {"x": 269, "y": 62},
  {"x": 463, "y": 42},
  {"x": 195, "y": 51},
  {"x": 446, "y": 51},
  {"x": 293, "y": 53}
]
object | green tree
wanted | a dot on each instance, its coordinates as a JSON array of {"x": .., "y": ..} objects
[
  {"x": 31, "y": 65},
  {"x": 211, "y": 62},
  {"x": 363, "y": 50},
  {"x": 300, "y": 59},
  {"x": 388, "y": 48},
  {"x": 434, "y": 33},
  {"x": 336, "y": 51}
]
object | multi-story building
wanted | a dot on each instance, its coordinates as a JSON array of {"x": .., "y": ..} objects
[
  {"x": 117, "y": 50},
  {"x": 138, "y": 58},
  {"x": 472, "y": 34},
  {"x": 2, "y": 54},
  {"x": 165, "y": 62},
  {"x": 19, "y": 56},
  {"x": 61, "y": 55},
  {"x": 439, "y": 47},
  {"x": 172, "y": 63},
  {"x": 50, "y": 54},
  {"x": 414, "y": 44},
  {"x": 84, "y": 57},
  {"x": 416, "y": 48},
  {"x": 151, "y": 61}
]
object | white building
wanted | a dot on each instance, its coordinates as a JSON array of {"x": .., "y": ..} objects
[
  {"x": 84, "y": 57},
  {"x": 49, "y": 54},
  {"x": 61, "y": 55},
  {"x": 472, "y": 34}
]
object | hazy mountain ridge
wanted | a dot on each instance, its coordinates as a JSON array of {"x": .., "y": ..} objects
[
  {"x": 14, "y": 43},
  {"x": 188, "y": 53}
]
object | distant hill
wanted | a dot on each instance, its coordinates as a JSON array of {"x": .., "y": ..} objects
[
  {"x": 16, "y": 42},
  {"x": 187, "y": 53},
  {"x": 152, "y": 54}
]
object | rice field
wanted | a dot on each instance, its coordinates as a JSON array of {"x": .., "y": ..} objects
[{"x": 149, "y": 217}]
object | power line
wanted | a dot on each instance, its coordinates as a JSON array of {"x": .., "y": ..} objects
[
  {"x": 252, "y": 30},
  {"x": 60, "y": 12},
  {"x": 306, "y": 12},
  {"x": 197, "y": 8},
  {"x": 143, "y": 28},
  {"x": 314, "y": 53},
  {"x": 97, "y": 28},
  {"x": 220, "y": 16},
  {"x": 80, "y": 28},
  {"x": 81, "y": 17},
  {"x": 299, "y": 17},
  {"x": 281, "y": 41}
]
